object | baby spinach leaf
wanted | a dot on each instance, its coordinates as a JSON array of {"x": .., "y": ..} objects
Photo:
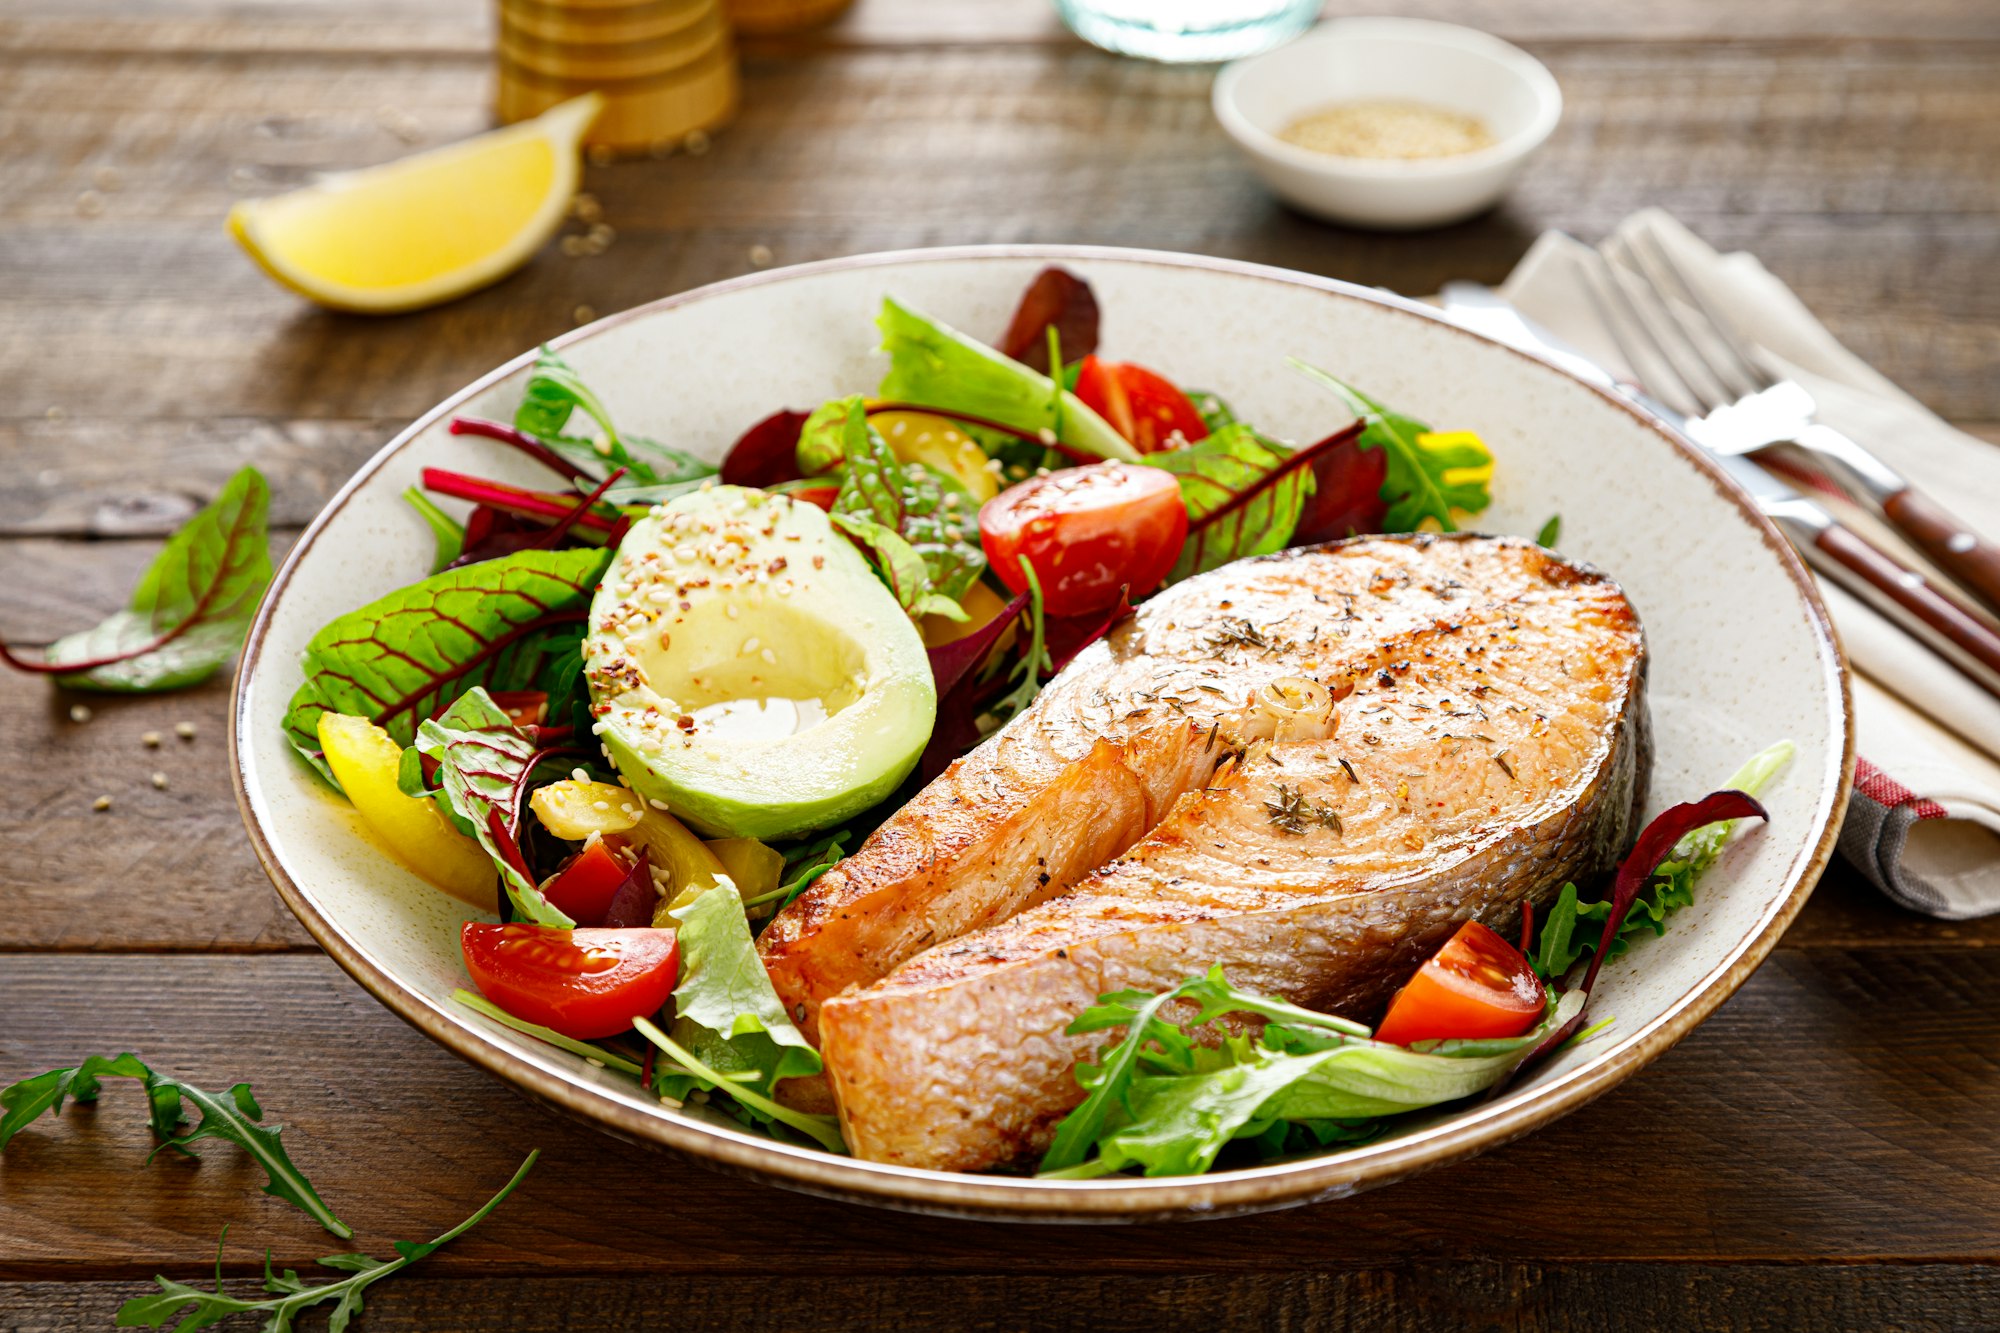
[
  {"x": 1429, "y": 475},
  {"x": 500, "y": 623},
  {"x": 555, "y": 394},
  {"x": 291, "y": 1295},
  {"x": 234, "y": 1117},
  {"x": 447, "y": 533},
  {"x": 484, "y": 764},
  {"x": 189, "y": 612}
]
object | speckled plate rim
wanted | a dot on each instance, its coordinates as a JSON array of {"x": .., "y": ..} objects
[{"x": 1122, "y": 1200}]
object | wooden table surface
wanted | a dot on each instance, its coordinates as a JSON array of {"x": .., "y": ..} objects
[{"x": 1824, "y": 1152}]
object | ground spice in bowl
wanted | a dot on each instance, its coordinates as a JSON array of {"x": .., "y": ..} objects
[{"x": 1388, "y": 129}]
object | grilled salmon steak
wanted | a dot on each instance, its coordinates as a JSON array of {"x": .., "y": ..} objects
[{"x": 1310, "y": 768}]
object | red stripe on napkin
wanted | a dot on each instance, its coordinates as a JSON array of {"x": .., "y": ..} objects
[{"x": 1884, "y": 790}]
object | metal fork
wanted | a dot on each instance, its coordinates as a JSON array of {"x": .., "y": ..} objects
[
  {"x": 1738, "y": 406},
  {"x": 1630, "y": 312}
]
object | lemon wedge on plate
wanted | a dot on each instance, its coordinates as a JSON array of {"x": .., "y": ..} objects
[{"x": 427, "y": 228}]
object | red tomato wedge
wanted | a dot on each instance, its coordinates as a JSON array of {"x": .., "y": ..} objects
[
  {"x": 1088, "y": 532},
  {"x": 1142, "y": 406},
  {"x": 583, "y": 983},
  {"x": 1478, "y": 985},
  {"x": 583, "y": 888}
]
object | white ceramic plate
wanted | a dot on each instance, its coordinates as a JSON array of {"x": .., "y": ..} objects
[{"x": 1742, "y": 654}]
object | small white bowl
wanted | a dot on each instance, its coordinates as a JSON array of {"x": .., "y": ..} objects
[{"x": 1414, "y": 60}]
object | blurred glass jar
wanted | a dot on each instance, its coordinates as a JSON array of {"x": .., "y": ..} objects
[{"x": 1188, "y": 30}]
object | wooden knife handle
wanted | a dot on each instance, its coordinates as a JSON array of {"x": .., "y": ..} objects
[
  {"x": 1911, "y": 591},
  {"x": 1951, "y": 545}
]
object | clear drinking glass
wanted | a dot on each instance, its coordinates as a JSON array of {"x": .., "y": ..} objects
[{"x": 1187, "y": 30}]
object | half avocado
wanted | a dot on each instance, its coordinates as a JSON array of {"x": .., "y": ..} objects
[{"x": 747, "y": 668}]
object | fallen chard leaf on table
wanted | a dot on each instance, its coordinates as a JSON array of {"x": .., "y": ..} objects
[
  {"x": 289, "y": 1293},
  {"x": 234, "y": 1118},
  {"x": 189, "y": 612}
]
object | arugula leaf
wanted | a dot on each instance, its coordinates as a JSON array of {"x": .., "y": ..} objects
[
  {"x": 821, "y": 1129},
  {"x": 190, "y": 610},
  {"x": 900, "y": 567},
  {"x": 484, "y": 764},
  {"x": 501, "y": 623},
  {"x": 1429, "y": 475},
  {"x": 290, "y": 1292},
  {"x": 1551, "y": 532},
  {"x": 1557, "y": 946},
  {"x": 1242, "y": 497},
  {"x": 233, "y": 1118},
  {"x": 555, "y": 394},
  {"x": 447, "y": 533},
  {"x": 910, "y": 500},
  {"x": 933, "y": 365}
]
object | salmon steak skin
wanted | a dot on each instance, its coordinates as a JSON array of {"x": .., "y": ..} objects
[{"x": 1310, "y": 768}]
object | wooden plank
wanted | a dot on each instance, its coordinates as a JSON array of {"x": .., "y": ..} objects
[
  {"x": 1839, "y": 1107},
  {"x": 1410, "y": 1297},
  {"x": 1860, "y": 174},
  {"x": 463, "y": 27}
]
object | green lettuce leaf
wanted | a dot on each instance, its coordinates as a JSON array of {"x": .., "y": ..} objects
[
  {"x": 1239, "y": 498},
  {"x": 500, "y": 623},
  {"x": 190, "y": 610},
  {"x": 725, "y": 992},
  {"x": 1428, "y": 475},
  {"x": 233, "y": 1117},
  {"x": 933, "y": 365},
  {"x": 900, "y": 566},
  {"x": 1161, "y": 1103},
  {"x": 484, "y": 763},
  {"x": 553, "y": 397},
  {"x": 910, "y": 500}
]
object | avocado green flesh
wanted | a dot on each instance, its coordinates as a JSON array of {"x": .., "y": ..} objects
[{"x": 748, "y": 669}]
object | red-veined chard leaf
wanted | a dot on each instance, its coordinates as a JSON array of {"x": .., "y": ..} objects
[
  {"x": 1427, "y": 475},
  {"x": 233, "y": 1117},
  {"x": 190, "y": 610},
  {"x": 935, "y": 517},
  {"x": 484, "y": 766},
  {"x": 1056, "y": 299},
  {"x": 500, "y": 624},
  {"x": 901, "y": 568},
  {"x": 1347, "y": 492},
  {"x": 1244, "y": 494}
]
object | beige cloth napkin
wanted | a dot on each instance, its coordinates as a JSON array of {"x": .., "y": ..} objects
[{"x": 1925, "y": 822}]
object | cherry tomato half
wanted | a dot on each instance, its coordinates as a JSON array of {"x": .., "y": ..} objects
[
  {"x": 1478, "y": 985},
  {"x": 584, "y": 887},
  {"x": 1143, "y": 407},
  {"x": 583, "y": 983},
  {"x": 1088, "y": 531}
]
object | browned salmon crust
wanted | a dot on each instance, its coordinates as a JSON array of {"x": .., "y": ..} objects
[{"x": 1494, "y": 745}]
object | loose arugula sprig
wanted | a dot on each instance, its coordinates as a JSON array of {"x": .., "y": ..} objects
[
  {"x": 189, "y": 612},
  {"x": 233, "y": 1118},
  {"x": 290, "y": 1294}
]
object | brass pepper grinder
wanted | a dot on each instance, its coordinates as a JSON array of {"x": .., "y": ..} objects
[
  {"x": 760, "y": 17},
  {"x": 667, "y": 68}
]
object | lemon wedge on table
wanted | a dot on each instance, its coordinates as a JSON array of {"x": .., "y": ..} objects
[{"x": 426, "y": 228}]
